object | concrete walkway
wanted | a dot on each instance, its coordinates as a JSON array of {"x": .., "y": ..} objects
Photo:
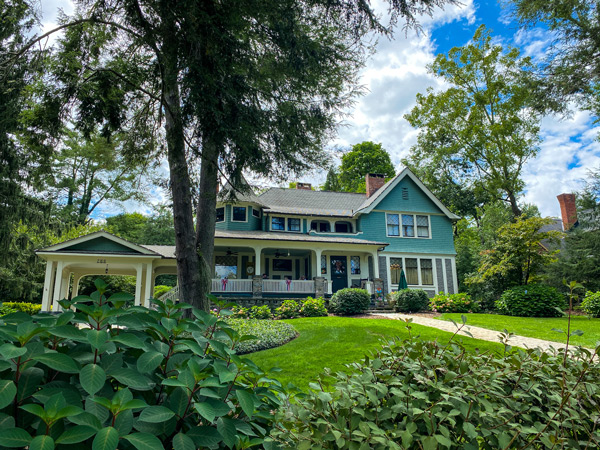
[{"x": 477, "y": 332}]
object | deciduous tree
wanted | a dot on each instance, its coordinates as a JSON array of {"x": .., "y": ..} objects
[{"x": 366, "y": 157}]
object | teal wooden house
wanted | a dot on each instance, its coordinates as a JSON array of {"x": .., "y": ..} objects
[{"x": 292, "y": 242}]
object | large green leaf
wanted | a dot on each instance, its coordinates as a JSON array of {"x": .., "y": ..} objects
[
  {"x": 144, "y": 441},
  {"x": 35, "y": 409},
  {"x": 246, "y": 400},
  {"x": 29, "y": 382},
  {"x": 92, "y": 377},
  {"x": 156, "y": 414},
  {"x": 132, "y": 379},
  {"x": 226, "y": 428},
  {"x": 149, "y": 361},
  {"x": 10, "y": 351},
  {"x": 129, "y": 340},
  {"x": 14, "y": 437},
  {"x": 106, "y": 439},
  {"x": 78, "y": 433},
  {"x": 205, "y": 410},
  {"x": 58, "y": 361},
  {"x": 97, "y": 339},
  {"x": 68, "y": 332},
  {"x": 183, "y": 442},
  {"x": 205, "y": 436},
  {"x": 42, "y": 443},
  {"x": 8, "y": 390}
]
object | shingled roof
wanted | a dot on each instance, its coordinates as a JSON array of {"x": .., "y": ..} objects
[{"x": 317, "y": 203}]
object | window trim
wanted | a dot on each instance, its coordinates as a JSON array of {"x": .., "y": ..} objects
[
  {"x": 299, "y": 230},
  {"x": 276, "y": 229},
  {"x": 419, "y": 271},
  {"x": 232, "y": 214},
  {"x": 414, "y": 215},
  {"x": 220, "y": 221},
  {"x": 255, "y": 210}
]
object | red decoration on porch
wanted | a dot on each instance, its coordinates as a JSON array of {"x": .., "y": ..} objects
[
  {"x": 224, "y": 283},
  {"x": 288, "y": 283}
]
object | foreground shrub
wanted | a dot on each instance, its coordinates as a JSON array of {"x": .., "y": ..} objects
[
  {"x": 268, "y": 333},
  {"x": 27, "y": 308},
  {"x": 350, "y": 301},
  {"x": 131, "y": 377},
  {"x": 411, "y": 300},
  {"x": 591, "y": 304},
  {"x": 532, "y": 300},
  {"x": 240, "y": 312},
  {"x": 417, "y": 394},
  {"x": 289, "y": 309},
  {"x": 453, "y": 303},
  {"x": 313, "y": 307},
  {"x": 260, "y": 312}
]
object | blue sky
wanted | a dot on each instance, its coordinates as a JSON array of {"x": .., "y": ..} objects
[{"x": 396, "y": 73}]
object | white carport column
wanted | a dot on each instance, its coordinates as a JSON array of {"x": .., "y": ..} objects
[
  {"x": 148, "y": 289},
  {"x": 76, "y": 279},
  {"x": 47, "y": 294},
  {"x": 138, "y": 284}
]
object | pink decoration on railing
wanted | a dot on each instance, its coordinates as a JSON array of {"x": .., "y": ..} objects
[
  {"x": 288, "y": 283},
  {"x": 224, "y": 283}
]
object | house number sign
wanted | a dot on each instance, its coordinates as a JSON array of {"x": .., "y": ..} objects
[{"x": 101, "y": 261}]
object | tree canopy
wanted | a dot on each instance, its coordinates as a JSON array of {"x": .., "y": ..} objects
[
  {"x": 481, "y": 131},
  {"x": 365, "y": 157}
]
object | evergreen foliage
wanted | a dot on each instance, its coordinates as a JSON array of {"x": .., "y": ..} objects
[
  {"x": 410, "y": 300},
  {"x": 350, "y": 301},
  {"x": 534, "y": 300}
]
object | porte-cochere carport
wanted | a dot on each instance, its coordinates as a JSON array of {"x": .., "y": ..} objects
[{"x": 265, "y": 264}]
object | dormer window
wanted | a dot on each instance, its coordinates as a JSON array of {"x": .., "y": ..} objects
[
  {"x": 256, "y": 212},
  {"x": 408, "y": 225},
  {"x": 321, "y": 226},
  {"x": 220, "y": 215},
  {"x": 293, "y": 224},
  {"x": 343, "y": 227},
  {"x": 278, "y": 223},
  {"x": 239, "y": 214}
]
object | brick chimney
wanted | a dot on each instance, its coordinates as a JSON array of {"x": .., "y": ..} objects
[
  {"x": 304, "y": 186},
  {"x": 568, "y": 210},
  {"x": 374, "y": 181}
]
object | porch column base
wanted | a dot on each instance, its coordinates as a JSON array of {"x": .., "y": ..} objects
[
  {"x": 378, "y": 288},
  {"x": 257, "y": 285},
  {"x": 319, "y": 287}
]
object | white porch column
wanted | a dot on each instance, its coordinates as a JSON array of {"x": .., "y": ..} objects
[
  {"x": 317, "y": 265},
  {"x": 257, "y": 261},
  {"x": 47, "y": 294},
  {"x": 54, "y": 306},
  {"x": 375, "y": 265},
  {"x": 148, "y": 289},
  {"x": 76, "y": 279},
  {"x": 138, "y": 284}
]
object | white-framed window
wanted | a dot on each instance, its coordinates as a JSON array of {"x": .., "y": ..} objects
[
  {"x": 418, "y": 271},
  {"x": 355, "y": 265},
  {"x": 220, "y": 216},
  {"x": 343, "y": 227},
  {"x": 240, "y": 214},
  {"x": 293, "y": 224},
  {"x": 321, "y": 226},
  {"x": 412, "y": 270},
  {"x": 426, "y": 272},
  {"x": 408, "y": 225},
  {"x": 278, "y": 223},
  {"x": 256, "y": 212}
]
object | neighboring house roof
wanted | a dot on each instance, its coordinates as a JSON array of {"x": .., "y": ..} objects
[
  {"x": 294, "y": 237},
  {"x": 307, "y": 202},
  {"x": 338, "y": 204},
  {"x": 378, "y": 196},
  {"x": 556, "y": 225}
]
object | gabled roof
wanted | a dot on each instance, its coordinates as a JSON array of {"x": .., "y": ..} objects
[
  {"x": 307, "y": 202},
  {"x": 231, "y": 195},
  {"x": 98, "y": 242},
  {"x": 370, "y": 203}
]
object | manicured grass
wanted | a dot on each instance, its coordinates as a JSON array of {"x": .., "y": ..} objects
[
  {"x": 537, "y": 327},
  {"x": 334, "y": 341}
]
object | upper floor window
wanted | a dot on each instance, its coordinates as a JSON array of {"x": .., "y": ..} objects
[
  {"x": 278, "y": 223},
  {"x": 256, "y": 213},
  {"x": 220, "y": 214},
  {"x": 321, "y": 226},
  {"x": 239, "y": 214},
  {"x": 293, "y": 224},
  {"x": 406, "y": 224},
  {"x": 343, "y": 227}
]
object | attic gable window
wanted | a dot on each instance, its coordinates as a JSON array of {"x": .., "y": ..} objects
[
  {"x": 393, "y": 225},
  {"x": 220, "y": 215},
  {"x": 406, "y": 224}
]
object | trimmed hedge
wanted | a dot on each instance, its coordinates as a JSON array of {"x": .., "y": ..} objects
[
  {"x": 12, "y": 307},
  {"x": 313, "y": 307},
  {"x": 591, "y": 304},
  {"x": 418, "y": 394},
  {"x": 350, "y": 301},
  {"x": 532, "y": 300},
  {"x": 410, "y": 300},
  {"x": 270, "y": 334},
  {"x": 453, "y": 303}
]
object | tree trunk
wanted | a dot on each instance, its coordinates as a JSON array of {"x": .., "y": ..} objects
[
  {"x": 513, "y": 204},
  {"x": 206, "y": 211},
  {"x": 188, "y": 267}
]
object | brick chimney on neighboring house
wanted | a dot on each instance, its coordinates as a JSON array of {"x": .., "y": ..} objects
[
  {"x": 304, "y": 186},
  {"x": 374, "y": 181},
  {"x": 568, "y": 210}
]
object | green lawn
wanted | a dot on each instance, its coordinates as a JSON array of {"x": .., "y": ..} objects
[
  {"x": 335, "y": 341},
  {"x": 537, "y": 327}
]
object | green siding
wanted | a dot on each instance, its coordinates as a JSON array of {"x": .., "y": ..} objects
[
  {"x": 417, "y": 201},
  {"x": 373, "y": 227},
  {"x": 100, "y": 244},
  {"x": 253, "y": 223}
]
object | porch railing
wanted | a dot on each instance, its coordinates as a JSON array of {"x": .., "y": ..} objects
[
  {"x": 231, "y": 285},
  {"x": 328, "y": 287},
  {"x": 172, "y": 295},
  {"x": 292, "y": 287}
]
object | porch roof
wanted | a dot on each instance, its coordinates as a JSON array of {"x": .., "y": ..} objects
[{"x": 294, "y": 237}]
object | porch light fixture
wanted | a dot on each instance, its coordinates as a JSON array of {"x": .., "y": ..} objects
[{"x": 106, "y": 270}]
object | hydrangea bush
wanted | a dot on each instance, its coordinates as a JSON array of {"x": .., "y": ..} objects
[
  {"x": 313, "y": 307},
  {"x": 289, "y": 309},
  {"x": 350, "y": 301},
  {"x": 410, "y": 300},
  {"x": 453, "y": 303}
]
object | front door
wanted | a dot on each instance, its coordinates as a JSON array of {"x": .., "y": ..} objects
[{"x": 339, "y": 274}]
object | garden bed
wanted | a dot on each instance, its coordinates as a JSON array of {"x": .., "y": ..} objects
[{"x": 270, "y": 334}]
